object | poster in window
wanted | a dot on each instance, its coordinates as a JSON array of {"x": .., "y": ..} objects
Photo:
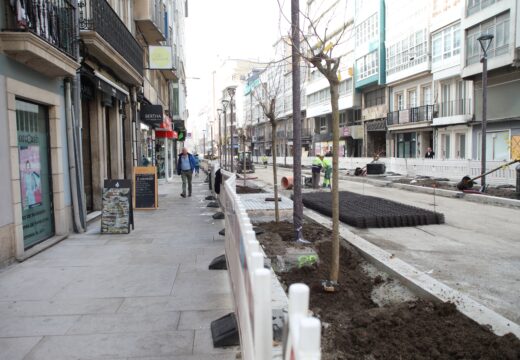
[{"x": 30, "y": 176}]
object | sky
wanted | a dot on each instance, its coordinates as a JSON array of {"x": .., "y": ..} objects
[{"x": 219, "y": 29}]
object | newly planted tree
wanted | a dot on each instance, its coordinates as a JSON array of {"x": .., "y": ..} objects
[{"x": 267, "y": 95}]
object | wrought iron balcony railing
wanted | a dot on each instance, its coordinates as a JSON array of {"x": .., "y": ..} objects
[
  {"x": 98, "y": 16},
  {"x": 413, "y": 115},
  {"x": 51, "y": 20}
]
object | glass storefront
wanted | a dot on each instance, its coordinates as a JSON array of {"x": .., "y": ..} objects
[{"x": 32, "y": 126}]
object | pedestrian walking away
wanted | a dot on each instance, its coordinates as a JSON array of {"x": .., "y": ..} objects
[
  {"x": 317, "y": 165},
  {"x": 185, "y": 168},
  {"x": 264, "y": 161},
  {"x": 197, "y": 164}
]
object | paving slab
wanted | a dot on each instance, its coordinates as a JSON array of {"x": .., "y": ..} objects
[{"x": 119, "y": 297}]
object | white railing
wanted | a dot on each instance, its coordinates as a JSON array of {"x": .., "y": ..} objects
[
  {"x": 304, "y": 335},
  {"x": 251, "y": 285},
  {"x": 451, "y": 169}
]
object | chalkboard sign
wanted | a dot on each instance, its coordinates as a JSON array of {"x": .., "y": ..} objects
[
  {"x": 145, "y": 187},
  {"x": 117, "y": 214}
]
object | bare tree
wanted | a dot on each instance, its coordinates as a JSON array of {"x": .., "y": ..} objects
[
  {"x": 267, "y": 95},
  {"x": 322, "y": 35}
]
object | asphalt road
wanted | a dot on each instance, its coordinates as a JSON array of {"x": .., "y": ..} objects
[{"x": 477, "y": 250}]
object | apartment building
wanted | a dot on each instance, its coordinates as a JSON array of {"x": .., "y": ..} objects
[
  {"x": 500, "y": 19},
  {"x": 452, "y": 95},
  {"x": 73, "y": 109},
  {"x": 38, "y": 64},
  {"x": 408, "y": 78},
  {"x": 370, "y": 75}
]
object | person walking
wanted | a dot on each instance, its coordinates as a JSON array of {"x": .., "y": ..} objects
[
  {"x": 185, "y": 168},
  {"x": 327, "y": 168},
  {"x": 197, "y": 164},
  {"x": 264, "y": 161},
  {"x": 430, "y": 154},
  {"x": 317, "y": 165}
]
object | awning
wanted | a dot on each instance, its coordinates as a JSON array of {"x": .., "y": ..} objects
[
  {"x": 109, "y": 87},
  {"x": 165, "y": 130}
]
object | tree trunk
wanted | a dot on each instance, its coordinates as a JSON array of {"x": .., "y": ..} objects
[
  {"x": 334, "y": 94},
  {"x": 297, "y": 125},
  {"x": 275, "y": 176}
]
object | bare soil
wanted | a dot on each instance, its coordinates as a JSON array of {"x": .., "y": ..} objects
[
  {"x": 354, "y": 327},
  {"x": 248, "y": 190},
  {"x": 508, "y": 193}
]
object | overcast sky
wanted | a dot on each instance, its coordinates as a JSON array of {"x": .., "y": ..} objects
[{"x": 221, "y": 29}]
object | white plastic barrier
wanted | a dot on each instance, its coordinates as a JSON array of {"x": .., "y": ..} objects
[
  {"x": 304, "y": 335},
  {"x": 251, "y": 283},
  {"x": 451, "y": 169}
]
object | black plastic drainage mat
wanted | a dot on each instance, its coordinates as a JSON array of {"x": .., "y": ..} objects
[{"x": 368, "y": 211}]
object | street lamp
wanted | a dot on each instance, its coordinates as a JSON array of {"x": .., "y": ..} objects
[
  {"x": 231, "y": 92},
  {"x": 225, "y": 104},
  {"x": 219, "y": 111},
  {"x": 485, "y": 43},
  {"x": 211, "y": 138}
]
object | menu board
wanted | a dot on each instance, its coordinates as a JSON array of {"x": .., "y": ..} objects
[
  {"x": 145, "y": 187},
  {"x": 117, "y": 214}
]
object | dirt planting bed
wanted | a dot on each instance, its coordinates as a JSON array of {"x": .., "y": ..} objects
[
  {"x": 248, "y": 190},
  {"x": 505, "y": 192},
  {"x": 369, "y": 211},
  {"x": 355, "y": 327}
]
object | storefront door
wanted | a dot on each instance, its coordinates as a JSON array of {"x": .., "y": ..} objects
[{"x": 35, "y": 172}]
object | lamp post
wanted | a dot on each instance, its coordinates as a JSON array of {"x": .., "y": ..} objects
[
  {"x": 219, "y": 111},
  {"x": 211, "y": 138},
  {"x": 485, "y": 43},
  {"x": 204, "y": 143},
  {"x": 231, "y": 92},
  {"x": 225, "y": 104}
]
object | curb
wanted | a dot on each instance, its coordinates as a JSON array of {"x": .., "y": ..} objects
[{"x": 420, "y": 283}]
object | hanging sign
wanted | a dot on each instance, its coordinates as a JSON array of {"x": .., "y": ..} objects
[
  {"x": 160, "y": 57},
  {"x": 145, "y": 187},
  {"x": 117, "y": 214},
  {"x": 152, "y": 114}
]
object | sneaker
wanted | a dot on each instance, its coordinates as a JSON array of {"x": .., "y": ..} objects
[
  {"x": 189, "y": 195},
  {"x": 183, "y": 195}
]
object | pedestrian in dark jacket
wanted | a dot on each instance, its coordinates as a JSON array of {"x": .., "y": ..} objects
[{"x": 185, "y": 168}]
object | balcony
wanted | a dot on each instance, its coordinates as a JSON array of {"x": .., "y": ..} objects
[
  {"x": 107, "y": 38},
  {"x": 41, "y": 36},
  {"x": 453, "y": 112},
  {"x": 149, "y": 16},
  {"x": 306, "y": 134},
  {"x": 413, "y": 115}
]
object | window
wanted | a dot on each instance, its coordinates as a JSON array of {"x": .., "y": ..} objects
[
  {"x": 323, "y": 124},
  {"x": 446, "y": 44},
  {"x": 496, "y": 145},
  {"x": 374, "y": 98},
  {"x": 367, "y": 30},
  {"x": 367, "y": 65},
  {"x": 342, "y": 119},
  {"x": 426, "y": 95},
  {"x": 406, "y": 145},
  {"x": 412, "y": 99},
  {"x": 461, "y": 145},
  {"x": 445, "y": 146},
  {"x": 345, "y": 87},
  {"x": 474, "y": 6},
  {"x": 399, "y": 103},
  {"x": 498, "y": 26},
  {"x": 408, "y": 52}
]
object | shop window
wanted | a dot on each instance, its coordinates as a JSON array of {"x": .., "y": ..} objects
[{"x": 497, "y": 145}]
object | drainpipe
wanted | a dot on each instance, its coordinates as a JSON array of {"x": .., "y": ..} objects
[{"x": 73, "y": 173}]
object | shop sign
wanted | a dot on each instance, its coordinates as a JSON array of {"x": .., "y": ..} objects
[
  {"x": 160, "y": 57},
  {"x": 152, "y": 114}
]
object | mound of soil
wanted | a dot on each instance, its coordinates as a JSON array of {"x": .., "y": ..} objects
[
  {"x": 354, "y": 327},
  {"x": 508, "y": 193},
  {"x": 247, "y": 190},
  {"x": 369, "y": 211}
]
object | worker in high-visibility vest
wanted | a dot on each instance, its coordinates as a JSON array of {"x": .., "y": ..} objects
[
  {"x": 327, "y": 168},
  {"x": 317, "y": 165}
]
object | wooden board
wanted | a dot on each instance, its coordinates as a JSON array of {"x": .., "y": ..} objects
[
  {"x": 117, "y": 214},
  {"x": 145, "y": 187}
]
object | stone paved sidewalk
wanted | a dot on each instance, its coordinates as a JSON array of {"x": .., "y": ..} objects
[{"x": 146, "y": 295}]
